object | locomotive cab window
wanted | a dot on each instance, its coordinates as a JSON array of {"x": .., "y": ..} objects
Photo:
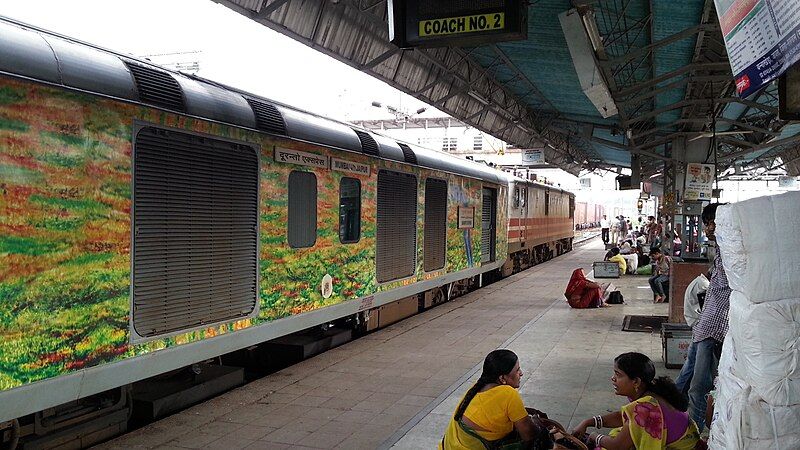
[
  {"x": 302, "y": 223},
  {"x": 546, "y": 203},
  {"x": 516, "y": 197},
  {"x": 523, "y": 197},
  {"x": 435, "y": 237},
  {"x": 349, "y": 210}
]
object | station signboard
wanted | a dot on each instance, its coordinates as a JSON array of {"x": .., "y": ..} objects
[
  {"x": 454, "y": 23},
  {"x": 532, "y": 156}
]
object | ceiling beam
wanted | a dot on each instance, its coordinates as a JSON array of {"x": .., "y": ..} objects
[
  {"x": 669, "y": 75},
  {"x": 762, "y": 146},
  {"x": 648, "y": 48}
]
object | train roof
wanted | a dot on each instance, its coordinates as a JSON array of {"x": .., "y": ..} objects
[
  {"x": 516, "y": 179},
  {"x": 30, "y": 52}
]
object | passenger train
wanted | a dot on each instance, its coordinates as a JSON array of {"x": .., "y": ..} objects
[{"x": 150, "y": 219}]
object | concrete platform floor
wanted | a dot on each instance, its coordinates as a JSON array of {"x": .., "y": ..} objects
[{"x": 398, "y": 387}]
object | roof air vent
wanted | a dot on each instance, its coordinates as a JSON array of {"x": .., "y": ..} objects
[
  {"x": 268, "y": 118},
  {"x": 408, "y": 154},
  {"x": 156, "y": 87},
  {"x": 368, "y": 144}
]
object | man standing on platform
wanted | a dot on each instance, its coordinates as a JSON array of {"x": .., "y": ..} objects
[
  {"x": 604, "y": 227},
  {"x": 710, "y": 330}
]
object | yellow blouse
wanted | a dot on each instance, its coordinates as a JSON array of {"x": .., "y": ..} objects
[{"x": 496, "y": 409}]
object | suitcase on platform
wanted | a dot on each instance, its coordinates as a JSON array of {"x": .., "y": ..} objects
[{"x": 605, "y": 269}]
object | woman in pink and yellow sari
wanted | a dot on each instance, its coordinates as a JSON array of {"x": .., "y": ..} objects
[{"x": 655, "y": 418}]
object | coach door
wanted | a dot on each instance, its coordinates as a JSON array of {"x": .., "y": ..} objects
[{"x": 488, "y": 225}]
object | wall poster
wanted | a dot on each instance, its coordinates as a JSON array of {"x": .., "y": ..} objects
[{"x": 699, "y": 181}]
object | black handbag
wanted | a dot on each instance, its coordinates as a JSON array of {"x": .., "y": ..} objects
[{"x": 615, "y": 298}]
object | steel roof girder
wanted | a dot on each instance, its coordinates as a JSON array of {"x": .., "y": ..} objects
[
  {"x": 689, "y": 32},
  {"x": 669, "y": 75}
]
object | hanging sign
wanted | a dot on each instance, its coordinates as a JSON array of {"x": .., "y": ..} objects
[
  {"x": 532, "y": 156},
  {"x": 762, "y": 38},
  {"x": 284, "y": 155},
  {"x": 699, "y": 181},
  {"x": 787, "y": 182},
  {"x": 586, "y": 183}
]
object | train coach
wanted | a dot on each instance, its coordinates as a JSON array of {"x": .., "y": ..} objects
[{"x": 151, "y": 219}]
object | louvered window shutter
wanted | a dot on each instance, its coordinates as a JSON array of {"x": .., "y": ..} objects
[
  {"x": 435, "y": 241},
  {"x": 397, "y": 226},
  {"x": 195, "y": 232}
]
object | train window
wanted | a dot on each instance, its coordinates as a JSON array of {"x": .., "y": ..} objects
[
  {"x": 571, "y": 207},
  {"x": 396, "y": 252},
  {"x": 516, "y": 197},
  {"x": 546, "y": 203},
  {"x": 523, "y": 197},
  {"x": 302, "y": 223},
  {"x": 195, "y": 238},
  {"x": 349, "y": 210},
  {"x": 435, "y": 237}
]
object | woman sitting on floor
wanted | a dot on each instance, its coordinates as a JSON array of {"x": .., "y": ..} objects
[
  {"x": 582, "y": 292},
  {"x": 492, "y": 415},
  {"x": 655, "y": 418}
]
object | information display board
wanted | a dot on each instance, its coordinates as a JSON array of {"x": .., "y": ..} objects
[
  {"x": 426, "y": 23},
  {"x": 762, "y": 38}
]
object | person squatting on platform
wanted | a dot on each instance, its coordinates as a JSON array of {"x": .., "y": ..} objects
[
  {"x": 582, "y": 292},
  {"x": 492, "y": 415},
  {"x": 655, "y": 417},
  {"x": 661, "y": 270}
]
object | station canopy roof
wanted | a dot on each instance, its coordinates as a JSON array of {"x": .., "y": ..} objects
[{"x": 663, "y": 63}]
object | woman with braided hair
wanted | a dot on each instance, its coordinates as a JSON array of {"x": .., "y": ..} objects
[
  {"x": 655, "y": 418},
  {"x": 491, "y": 415}
]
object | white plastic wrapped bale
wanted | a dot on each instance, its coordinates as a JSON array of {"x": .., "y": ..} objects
[
  {"x": 731, "y": 245},
  {"x": 728, "y": 387},
  {"x": 766, "y": 338},
  {"x": 760, "y": 249},
  {"x": 761, "y": 426}
]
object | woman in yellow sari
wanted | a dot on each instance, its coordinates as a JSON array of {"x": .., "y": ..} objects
[
  {"x": 491, "y": 415},
  {"x": 655, "y": 418}
]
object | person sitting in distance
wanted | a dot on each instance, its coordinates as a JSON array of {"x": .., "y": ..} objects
[
  {"x": 492, "y": 415},
  {"x": 655, "y": 418},
  {"x": 661, "y": 268},
  {"x": 582, "y": 292},
  {"x": 615, "y": 256}
]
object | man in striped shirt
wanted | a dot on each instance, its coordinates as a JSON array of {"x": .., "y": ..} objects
[{"x": 710, "y": 330}]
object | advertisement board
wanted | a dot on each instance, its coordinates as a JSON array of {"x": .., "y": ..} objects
[
  {"x": 699, "y": 181},
  {"x": 762, "y": 38}
]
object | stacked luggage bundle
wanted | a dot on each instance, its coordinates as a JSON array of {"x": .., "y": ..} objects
[{"x": 757, "y": 403}]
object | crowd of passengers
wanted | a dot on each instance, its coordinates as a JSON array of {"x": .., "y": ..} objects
[{"x": 660, "y": 414}]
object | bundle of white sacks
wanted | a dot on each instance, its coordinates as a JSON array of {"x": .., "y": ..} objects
[{"x": 758, "y": 390}]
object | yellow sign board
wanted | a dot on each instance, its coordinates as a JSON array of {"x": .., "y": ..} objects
[{"x": 463, "y": 24}]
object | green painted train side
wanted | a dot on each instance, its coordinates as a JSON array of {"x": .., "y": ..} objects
[{"x": 65, "y": 231}]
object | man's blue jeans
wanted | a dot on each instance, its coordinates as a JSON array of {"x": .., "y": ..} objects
[
  {"x": 655, "y": 284},
  {"x": 705, "y": 367},
  {"x": 684, "y": 379}
]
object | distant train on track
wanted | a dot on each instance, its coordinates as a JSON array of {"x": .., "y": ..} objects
[{"x": 151, "y": 219}]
